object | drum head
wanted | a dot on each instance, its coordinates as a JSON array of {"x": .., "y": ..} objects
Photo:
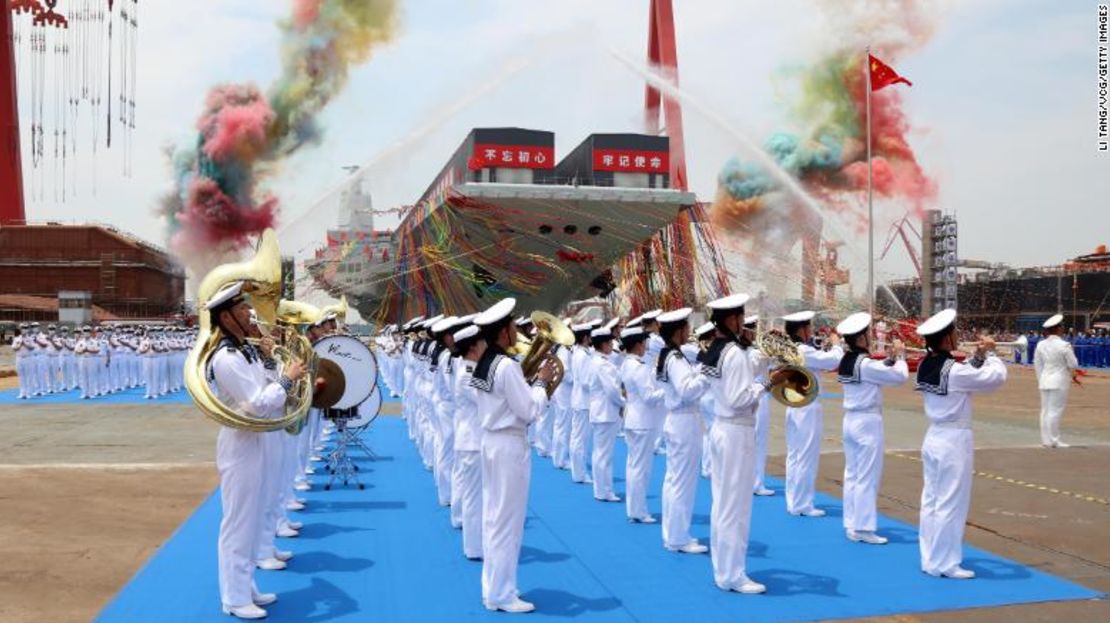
[
  {"x": 367, "y": 411},
  {"x": 357, "y": 363}
]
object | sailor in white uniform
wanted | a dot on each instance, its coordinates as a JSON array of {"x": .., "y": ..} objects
[
  {"x": 1055, "y": 363},
  {"x": 650, "y": 323},
  {"x": 240, "y": 377},
  {"x": 704, "y": 334},
  {"x": 643, "y": 415},
  {"x": 580, "y": 401},
  {"x": 23, "y": 346},
  {"x": 805, "y": 425},
  {"x": 606, "y": 403},
  {"x": 761, "y": 366},
  {"x": 732, "y": 379},
  {"x": 467, "y": 478},
  {"x": 863, "y": 379},
  {"x": 562, "y": 413},
  {"x": 442, "y": 397},
  {"x": 506, "y": 406},
  {"x": 682, "y": 387},
  {"x": 949, "y": 447}
]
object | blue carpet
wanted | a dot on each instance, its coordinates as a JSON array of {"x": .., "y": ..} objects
[
  {"x": 125, "y": 397},
  {"x": 388, "y": 554}
]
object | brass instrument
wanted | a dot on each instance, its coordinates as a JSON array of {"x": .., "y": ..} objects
[
  {"x": 549, "y": 331},
  {"x": 801, "y": 388},
  {"x": 1021, "y": 344},
  {"x": 340, "y": 311},
  {"x": 262, "y": 281}
]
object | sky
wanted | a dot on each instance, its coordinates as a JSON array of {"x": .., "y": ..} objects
[{"x": 1003, "y": 107}]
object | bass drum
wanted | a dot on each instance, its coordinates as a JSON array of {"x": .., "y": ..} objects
[
  {"x": 367, "y": 411},
  {"x": 356, "y": 362}
]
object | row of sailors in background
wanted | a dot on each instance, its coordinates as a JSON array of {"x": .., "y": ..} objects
[
  {"x": 1092, "y": 348},
  {"x": 464, "y": 408},
  {"x": 100, "y": 360}
]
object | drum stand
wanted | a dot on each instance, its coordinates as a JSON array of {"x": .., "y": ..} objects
[{"x": 339, "y": 461}]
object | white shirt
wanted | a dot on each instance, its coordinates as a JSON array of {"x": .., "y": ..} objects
[
  {"x": 1054, "y": 361},
  {"x": 468, "y": 426},
  {"x": 579, "y": 367},
  {"x": 605, "y": 389},
  {"x": 511, "y": 404},
  {"x": 736, "y": 393},
  {"x": 643, "y": 406},
  {"x": 964, "y": 380},
  {"x": 867, "y": 395},
  {"x": 444, "y": 383},
  {"x": 684, "y": 386},
  {"x": 247, "y": 387},
  {"x": 563, "y": 392},
  {"x": 821, "y": 360},
  {"x": 655, "y": 345}
]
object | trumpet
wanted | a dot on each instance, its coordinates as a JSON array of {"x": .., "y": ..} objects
[{"x": 969, "y": 347}]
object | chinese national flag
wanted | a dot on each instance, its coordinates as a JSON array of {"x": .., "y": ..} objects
[{"x": 883, "y": 75}]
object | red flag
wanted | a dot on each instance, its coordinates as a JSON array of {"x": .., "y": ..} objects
[{"x": 883, "y": 75}]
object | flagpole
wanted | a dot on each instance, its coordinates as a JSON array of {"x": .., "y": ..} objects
[{"x": 870, "y": 208}]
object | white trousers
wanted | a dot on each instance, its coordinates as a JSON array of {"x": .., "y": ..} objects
[
  {"x": 239, "y": 460},
  {"x": 560, "y": 437},
  {"x": 1053, "y": 402},
  {"x": 579, "y": 434},
  {"x": 863, "y": 469},
  {"x": 605, "y": 437},
  {"x": 270, "y": 488},
  {"x": 637, "y": 471},
  {"x": 541, "y": 430},
  {"x": 23, "y": 370},
  {"x": 762, "y": 422},
  {"x": 445, "y": 452},
  {"x": 803, "y": 453},
  {"x": 683, "y": 435},
  {"x": 506, "y": 472},
  {"x": 148, "y": 377},
  {"x": 730, "y": 516},
  {"x": 468, "y": 486},
  {"x": 947, "y": 456}
]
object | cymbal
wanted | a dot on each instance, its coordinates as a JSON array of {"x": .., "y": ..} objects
[{"x": 334, "y": 384}]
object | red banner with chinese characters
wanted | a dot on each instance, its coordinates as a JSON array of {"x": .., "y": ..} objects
[
  {"x": 511, "y": 157},
  {"x": 632, "y": 160}
]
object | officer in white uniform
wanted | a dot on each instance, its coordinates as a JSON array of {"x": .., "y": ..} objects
[
  {"x": 863, "y": 379},
  {"x": 241, "y": 378},
  {"x": 467, "y": 477},
  {"x": 45, "y": 360},
  {"x": 650, "y": 323},
  {"x": 805, "y": 426},
  {"x": 1055, "y": 363},
  {"x": 949, "y": 447},
  {"x": 704, "y": 334},
  {"x": 562, "y": 413},
  {"x": 506, "y": 406},
  {"x": 643, "y": 415},
  {"x": 732, "y": 379},
  {"x": 580, "y": 401},
  {"x": 761, "y": 367},
  {"x": 23, "y": 346},
  {"x": 682, "y": 387},
  {"x": 606, "y": 403}
]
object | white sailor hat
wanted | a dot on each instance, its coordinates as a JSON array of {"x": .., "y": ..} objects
[
  {"x": 465, "y": 333},
  {"x": 802, "y": 316},
  {"x": 612, "y": 323},
  {"x": 651, "y": 315},
  {"x": 937, "y": 323},
  {"x": 224, "y": 295},
  {"x": 631, "y": 332},
  {"x": 595, "y": 323},
  {"x": 469, "y": 318},
  {"x": 523, "y": 321},
  {"x": 324, "y": 318},
  {"x": 1053, "y": 321},
  {"x": 444, "y": 324},
  {"x": 427, "y": 324},
  {"x": 703, "y": 330},
  {"x": 751, "y": 320},
  {"x": 676, "y": 315},
  {"x": 578, "y": 328},
  {"x": 496, "y": 313},
  {"x": 602, "y": 332},
  {"x": 732, "y": 301},
  {"x": 411, "y": 323},
  {"x": 635, "y": 322},
  {"x": 856, "y": 323}
]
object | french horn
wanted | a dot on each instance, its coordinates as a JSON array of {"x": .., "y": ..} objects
[
  {"x": 261, "y": 277},
  {"x": 801, "y": 387}
]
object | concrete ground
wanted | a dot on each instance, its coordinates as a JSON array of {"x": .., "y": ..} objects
[{"x": 89, "y": 492}]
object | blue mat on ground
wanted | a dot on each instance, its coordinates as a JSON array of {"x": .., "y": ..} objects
[
  {"x": 388, "y": 554},
  {"x": 125, "y": 397}
]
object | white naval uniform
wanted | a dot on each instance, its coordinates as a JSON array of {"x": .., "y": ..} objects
[
  {"x": 506, "y": 406},
  {"x": 655, "y": 346},
  {"x": 69, "y": 363},
  {"x": 580, "y": 414},
  {"x": 443, "y": 403},
  {"x": 148, "y": 356},
  {"x": 804, "y": 428},
  {"x": 466, "y": 481},
  {"x": 45, "y": 354},
  {"x": 643, "y": 417},
  {"x": 251, "y": 389},
  {"x": 736, "y": 396},
  {"x": 682, "y": 387},
  {"x": 761, "y": 368},
  {"x": 1054, "y": 361},
  {"x": 562, "y": 412},
  {"x": 23, "y": 366},
  {"x": 863, "y": 437},
  {"x": 947, "y": 455},
  {"x": 605, "y": 407}
]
